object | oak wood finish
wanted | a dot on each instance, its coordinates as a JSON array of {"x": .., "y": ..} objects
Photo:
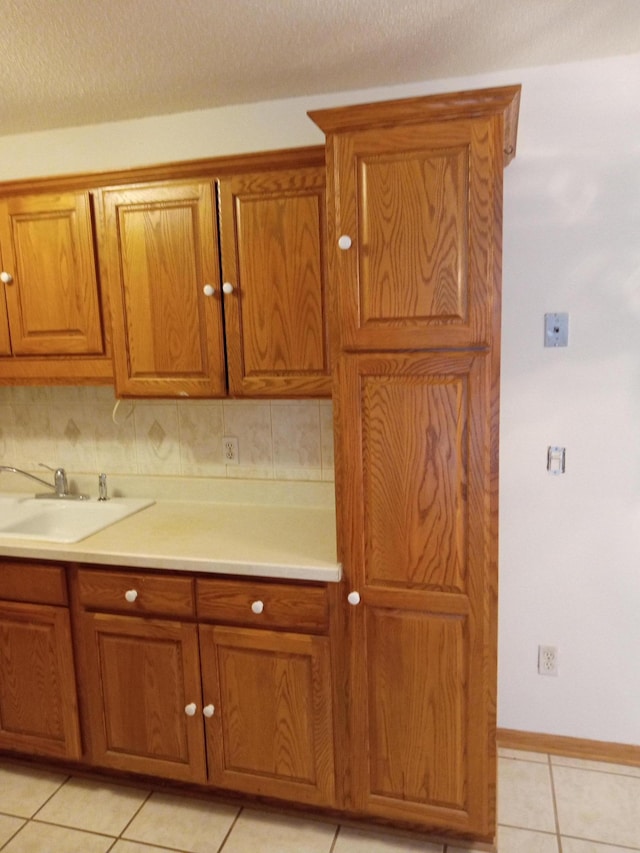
[
  {"x": 418, "y": 203},
  {"x": 416, "y": 456},
  {"x": 157, "y": 594},
  {"x": 417, "y": 187},
  {"x": 271, "y": 733},
  {"x": 36, "y": 583},
  {"x": 53, "y": 302},
  {"x": 139, "y": 674},
  {"x": 573, "y": 747},
  {"x": 272, "y": 235},
  {"x": 159, "y": 250},
  {"x": 38, "y": 707},
  {"x": 287, "y": 606}
]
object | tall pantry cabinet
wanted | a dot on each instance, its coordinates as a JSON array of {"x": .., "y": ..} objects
[{"x": 414, "y": 235}]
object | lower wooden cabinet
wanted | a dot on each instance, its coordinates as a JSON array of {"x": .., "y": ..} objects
[
  {"x": 142, "y": 682},
  {"x": 270, "y": 727},
  {"x": 241, "y": 707},
  {"x": 38, "y": 704}
]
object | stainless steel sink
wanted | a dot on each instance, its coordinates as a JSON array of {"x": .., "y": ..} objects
[{"x": 24, "y": 517}]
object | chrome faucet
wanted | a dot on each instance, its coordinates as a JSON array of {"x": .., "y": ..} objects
[{"x": 60, "y": 485}]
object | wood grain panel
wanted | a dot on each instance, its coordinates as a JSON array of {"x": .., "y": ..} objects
[
  {"x": 415, "y": 479},
  {"x": 159, "y": 594},
  {"x": 160, "y": 252},
  {"x": 272, "y": 238},
  {"x": 303, "y": 608},
  {"x": 272, "y": 729},
  {"x": 53, "y": 303},
  {"x": 38, "y": 707},
  {"x": 415, "y": 496},
  {"x": 36, "y": 583},
  {"x": 418, "y": 707},
  {"x": 421, "y": 204},
  {"x": 413, "y": 221},
  {"x": 140, "y": 675}
]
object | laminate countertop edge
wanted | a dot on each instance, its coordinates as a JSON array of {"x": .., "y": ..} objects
[{"x": 288, "y": 542}]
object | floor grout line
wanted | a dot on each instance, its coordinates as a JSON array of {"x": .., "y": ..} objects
[{"x": 555, "y": 803}]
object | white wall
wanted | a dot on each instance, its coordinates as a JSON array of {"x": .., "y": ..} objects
[{"x": 570, "y": 546}]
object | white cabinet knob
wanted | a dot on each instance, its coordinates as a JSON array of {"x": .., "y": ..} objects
[
  {"x": 190, "y": 709},
  {"x": 208, "y": 710},
  {"x": 227, "y": 287},
  {"x": 257, "y": 607},
  {"x": 131, "y": 595},
  {"x": 353, "y": 598},
  {"x": 344, "y": 242},
  {"x": 208, "y": 290},
  {"x": 6, "y": 277}
]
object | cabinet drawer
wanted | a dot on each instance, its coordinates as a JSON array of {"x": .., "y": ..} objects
[
  {"x": 268, "y": 605},
  {"x": 36, "y": 583},
  {"x": 135, "y": 592}
]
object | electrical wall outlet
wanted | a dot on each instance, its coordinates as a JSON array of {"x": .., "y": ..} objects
[
  {"x": 230, "y": 450},
  {"x": 547, "y": 660}
]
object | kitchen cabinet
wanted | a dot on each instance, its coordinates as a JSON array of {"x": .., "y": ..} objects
[
  {"x": 177, "y": 329},
  {"x": 414, "y": 234},
  {"x": 229, "y": 694},
  {"x": 161, "y": 269},
  {"x": 51, "y": 311},
  {"x": 38, "y": 704},
  {"x": 272, "y": 233},
  {"x": 141, "y": 673},
  {"x": 272, "y": 730}
]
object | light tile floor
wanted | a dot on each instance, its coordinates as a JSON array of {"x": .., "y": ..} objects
[{"x": 546, "y": 804}]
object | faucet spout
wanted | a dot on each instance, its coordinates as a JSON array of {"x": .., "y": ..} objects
[
  {"x": 60, "y": 487},
  {"x": 13, "y": 470}
]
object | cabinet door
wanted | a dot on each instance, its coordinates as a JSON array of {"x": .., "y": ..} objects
[
  {"x": 416, "y": 217},
  {"x": 273, "y": 250},
  {"x": 53, "y": 302},
  {"x": 160, "y": 246},
  {"x": 143, "y": 692},
  {"x": 271, "y": 729},
  {"x": 417, "y": 487},
  {"x": 38, "y": 706}
]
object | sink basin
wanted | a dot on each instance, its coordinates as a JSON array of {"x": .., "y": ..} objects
[{"x": 61, "y": 520}]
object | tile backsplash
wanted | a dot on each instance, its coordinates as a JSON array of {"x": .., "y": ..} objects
[{"x": 85, "y": 431}]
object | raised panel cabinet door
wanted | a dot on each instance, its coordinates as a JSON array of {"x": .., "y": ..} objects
[
  {"x": 416, "y": 478},
  {"x": 415, "y": 201},
  {"x": 272, "y": 228},
  {"x": 53, "y": 299},
  {"x": 38, "y": 705},
  {"x": 142, "y": 682},
  {"x": 270, "y": 730},
  {"x": 160, "y": 245}
]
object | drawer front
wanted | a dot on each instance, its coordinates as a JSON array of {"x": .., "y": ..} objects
[
  {"x": 136, "y": 592},
  {"x": 267, "y": 605},
  {"x": 36, "y": 583}
]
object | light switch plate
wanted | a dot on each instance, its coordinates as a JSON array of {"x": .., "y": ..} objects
[{"x": 556, "y": 330}]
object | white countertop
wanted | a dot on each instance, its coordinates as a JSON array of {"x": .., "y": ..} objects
[{"x": 296, "y": 542}]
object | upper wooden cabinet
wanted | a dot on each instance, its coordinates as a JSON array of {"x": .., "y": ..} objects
[
  {"x": 51, "y": 322},
  {"x": 160, "y": 264},
  {"x": 415, "y": 219},
  {"x": 272, "y": 227},
  {"x": 177, "y": 330}
]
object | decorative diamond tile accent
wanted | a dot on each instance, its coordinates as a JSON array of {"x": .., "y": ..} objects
[
  {"x": 72, "y": 432},
  {"x": 156, "y": 436}
]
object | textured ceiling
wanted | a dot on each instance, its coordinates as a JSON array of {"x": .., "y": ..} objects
[{"x": 70, "y": 62}]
